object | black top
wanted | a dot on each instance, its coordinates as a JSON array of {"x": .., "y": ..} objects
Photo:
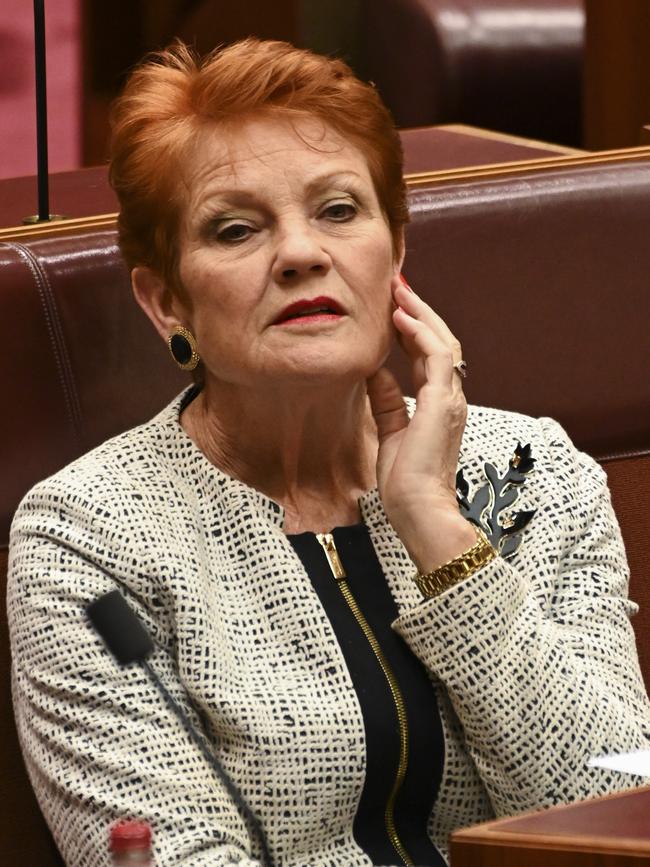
[{"x": 426, "y": 743}]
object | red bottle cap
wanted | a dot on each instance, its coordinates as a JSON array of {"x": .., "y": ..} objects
[{"x": 129, "y": 834}]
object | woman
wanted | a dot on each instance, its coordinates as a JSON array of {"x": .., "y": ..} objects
[{"x": 376, "y": 657}]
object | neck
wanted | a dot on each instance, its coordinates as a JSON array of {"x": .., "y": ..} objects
[{"x": 311, "y": 449}]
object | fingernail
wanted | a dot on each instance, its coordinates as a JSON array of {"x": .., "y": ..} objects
[{"x": 404, "y": 282}]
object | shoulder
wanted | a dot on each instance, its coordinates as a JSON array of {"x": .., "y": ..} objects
[
  {"x": 561, "y": 470},
  {"x": 102, "y": 519},
  {"x": 493, "y": 434},
  {"x": 97, "y": 483},
  {"x": 566, "y": 481},
  {"x": 565, "y": 487},
  {"x": 501, "y": 430}
]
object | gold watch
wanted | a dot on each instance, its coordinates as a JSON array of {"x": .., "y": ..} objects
[{"x": 437, "y": 581}]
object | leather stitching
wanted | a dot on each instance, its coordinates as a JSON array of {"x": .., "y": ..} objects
[{"x": 57, "y": 339}]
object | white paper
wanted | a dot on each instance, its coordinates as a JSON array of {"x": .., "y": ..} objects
[{"x": 629, "y": 763}]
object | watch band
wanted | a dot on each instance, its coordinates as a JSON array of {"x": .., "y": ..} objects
[{"x": 438, "y": 580}]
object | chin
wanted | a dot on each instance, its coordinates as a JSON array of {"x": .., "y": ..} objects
[{"x": 332, "y": 369}]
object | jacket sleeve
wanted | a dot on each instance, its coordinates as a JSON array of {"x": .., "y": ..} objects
[
  {"x": 98, "y": 740},
  {"x": 537, "y": 653}
]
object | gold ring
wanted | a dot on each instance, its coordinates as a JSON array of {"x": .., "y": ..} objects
[{"x": 461, "y": 368}]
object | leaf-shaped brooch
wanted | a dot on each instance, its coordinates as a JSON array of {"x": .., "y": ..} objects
[{"x": 498, "y": 494}]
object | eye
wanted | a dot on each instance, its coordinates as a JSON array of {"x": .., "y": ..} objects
[
  {"x": 340, "y": 212},
  {"x": 233, "y": 233}
]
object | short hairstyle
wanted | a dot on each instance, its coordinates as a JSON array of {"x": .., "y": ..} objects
[{"x": 173, "y": 94}]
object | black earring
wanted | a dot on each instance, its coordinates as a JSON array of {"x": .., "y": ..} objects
[{"x": 182, "y": 346}]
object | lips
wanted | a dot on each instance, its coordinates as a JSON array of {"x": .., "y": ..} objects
[{"x": 310, "y": 309}]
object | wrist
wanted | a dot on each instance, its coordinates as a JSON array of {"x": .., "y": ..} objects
[
  {"x": 436, "y": 537},
  {"x": 457, "y": 570}
]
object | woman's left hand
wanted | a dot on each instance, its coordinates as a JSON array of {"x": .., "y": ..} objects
[{"x": 417, "y": 459}]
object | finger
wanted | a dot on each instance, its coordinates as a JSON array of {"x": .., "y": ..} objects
[
  {"x": 419, "y": 309},
  {"x": 387, "y": 403},
  {"x": 408, "y": 298},
  {"x": 415, "y": 306},
  {"x": 420, "y": 314},
  {"x": 432, "y": 357},
  {"x": 415, "y": 356}
]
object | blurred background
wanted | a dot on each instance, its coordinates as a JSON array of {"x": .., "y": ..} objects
[{"x": 571, "y": 72}]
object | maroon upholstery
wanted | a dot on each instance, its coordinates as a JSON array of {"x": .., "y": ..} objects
[
  {"x": 541, "y": 273},
  {"x": 86, "y": 362},
  {"x": 499, "y": 64},
  {"x": 87, "y": 193},
  {"x": 79, "y": 193},
  {"x": 433, "y": 148},
  {"x": 629, "y": 483}
]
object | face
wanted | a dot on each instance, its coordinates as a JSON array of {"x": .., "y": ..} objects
[{"x": 285, "y": 256}]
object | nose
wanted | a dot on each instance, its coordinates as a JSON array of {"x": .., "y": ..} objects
[{"x": 299, "y": 253}]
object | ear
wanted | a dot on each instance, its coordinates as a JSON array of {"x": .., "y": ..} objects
[
  {"x": 401, "y": 253},
  {"x": 161, "y": 306}
]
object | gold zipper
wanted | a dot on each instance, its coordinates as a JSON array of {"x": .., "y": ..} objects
[{"x": 327, "y": 542}]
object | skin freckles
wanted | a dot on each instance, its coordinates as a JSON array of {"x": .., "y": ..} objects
[{"x": 275, "y": 215}]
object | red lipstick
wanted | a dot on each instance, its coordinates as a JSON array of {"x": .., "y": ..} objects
[{"x": 310, "y": 310}]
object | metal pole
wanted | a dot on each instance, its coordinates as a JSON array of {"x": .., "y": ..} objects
[
  {"x": 43, "y": 178},
  {"x": 41, "y": 111}
]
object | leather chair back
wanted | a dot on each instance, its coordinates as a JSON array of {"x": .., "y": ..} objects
[
  {"x": 497, "y": 64},
  {"x": 82, "y": 363}
]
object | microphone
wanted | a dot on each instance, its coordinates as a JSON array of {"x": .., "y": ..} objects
[
  {"x": 120, "y": 627},
  {"x": 128, "y": 640}
]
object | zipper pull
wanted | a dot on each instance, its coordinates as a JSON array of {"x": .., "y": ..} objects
[{"x": 327, "y": 541}]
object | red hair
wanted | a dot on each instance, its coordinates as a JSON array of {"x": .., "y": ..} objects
[{"x": 173, "y": 94}]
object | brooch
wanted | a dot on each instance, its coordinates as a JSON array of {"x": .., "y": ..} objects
[{"x": 498, "y": 494}]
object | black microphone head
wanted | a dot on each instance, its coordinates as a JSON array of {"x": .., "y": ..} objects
[{"x": 122, "y": 630}]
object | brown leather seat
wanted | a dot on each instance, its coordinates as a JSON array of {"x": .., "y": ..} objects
[
  {"x": 82, "y": 363},
  {"x": 541, "y": 272},
  {"x": 498, "y": 64}
]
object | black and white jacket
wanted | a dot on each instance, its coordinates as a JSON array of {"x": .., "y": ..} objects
[{"x": 533, "y": 657}]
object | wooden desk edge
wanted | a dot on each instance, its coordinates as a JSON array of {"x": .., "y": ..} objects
[
  {"x": 555, "y": 842},
  {"x": 491, "y": 834},
  {"x": 508, "y": 138},
  {"x": 413, "y": 181}
]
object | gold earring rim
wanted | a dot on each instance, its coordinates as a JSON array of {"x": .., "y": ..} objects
[{"x": 194, "y": 359}]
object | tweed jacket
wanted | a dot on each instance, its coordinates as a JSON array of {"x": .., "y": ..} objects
[{"x": 533, "y": 657}]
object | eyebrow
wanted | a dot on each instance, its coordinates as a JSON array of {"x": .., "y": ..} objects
[
  {"x": 332, "y": 178},
  {"x": 242, "y": 196}
]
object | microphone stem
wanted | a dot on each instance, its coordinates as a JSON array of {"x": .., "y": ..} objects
[
  {"x": 228, "y": 784},
  {"x": 41, "y": 111}
]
